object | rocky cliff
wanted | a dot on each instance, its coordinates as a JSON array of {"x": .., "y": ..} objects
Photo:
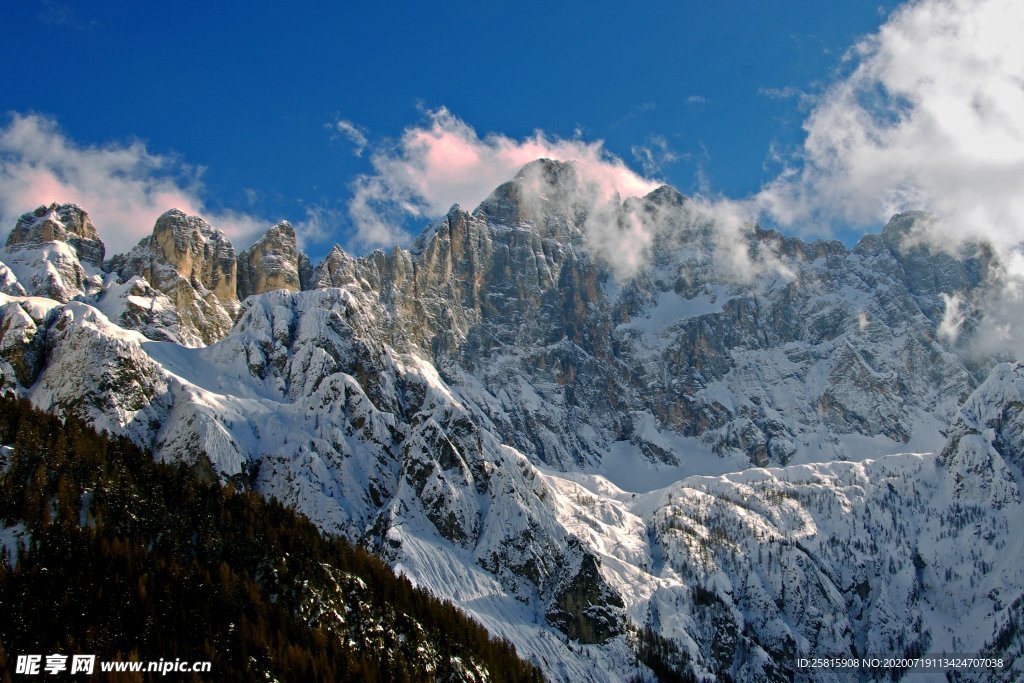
[
  {"x": 273, "y": 262},
  {"x": 54, "y": 252},
  {"x": 814, "y": 346},
  {"x": 193, "y": 265}
]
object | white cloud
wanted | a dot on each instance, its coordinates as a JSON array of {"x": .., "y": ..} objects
[
  {"x": 319, "y": 226},
  {"x": 1000, "y": 313},
  {"x": 124, "y": 187},
  {"x": 444, "y": 162},
  {"x": 931, "y": 116},
  {"x": 786, "y": 93},
  {"x": 654, "y": 155},
  {"x": 953, "y": 317},
  {"x": 350, "y": 131},
  {"x": 732, "y": 221}
]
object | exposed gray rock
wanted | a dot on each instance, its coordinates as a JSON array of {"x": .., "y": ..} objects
[
  {"x": 928, "y": 271},
  {"x": 271, "y": 263},
  {"x": 587, "y": 609},
  {"x": 194, "y": 265},
  {"x": 336, "y": 270},
  {"x": 305, "y": 272},
  {"x": 819, "y": 342},
  {"x": 54, "y": 252},
  {"x": 59, "y": 223}
]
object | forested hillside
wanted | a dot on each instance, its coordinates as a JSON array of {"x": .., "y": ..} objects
[{"x": 131, "y": 559}]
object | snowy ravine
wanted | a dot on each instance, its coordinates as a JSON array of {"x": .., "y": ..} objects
[{"x": 491, "y": 409}]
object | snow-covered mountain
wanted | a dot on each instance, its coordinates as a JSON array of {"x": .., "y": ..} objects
[
  {"x": 54, "y": 252},
  {"x": 563, "y": 446}
]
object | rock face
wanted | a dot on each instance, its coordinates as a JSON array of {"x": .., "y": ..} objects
[
  {"x": 22, "y": 349},
  {"x": 815, "y": 344},
  {"x": 272, "y": 263},
  {"x": 136, "y": 305},
  {"x": 588, "y": 610},
  {"x": 54, "y": 252},
  {"x": 197, "y": 252},
  {"x": 338, "y": 269},
  {"x": 305, "y": 272},
  {"x": 194, "y": 265},
  {"x": 59, "y": 223}
]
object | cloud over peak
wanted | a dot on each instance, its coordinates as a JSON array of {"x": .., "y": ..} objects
[
  {"x": 931, "y": 116},
  {"x": 123, "y": 186},
  {"x": 443, "y": 161}
]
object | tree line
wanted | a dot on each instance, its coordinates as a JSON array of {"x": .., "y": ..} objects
[{"x": 128, "y": 558}]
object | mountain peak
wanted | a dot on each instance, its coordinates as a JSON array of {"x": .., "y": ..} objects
[
  {"x": 58, "y": 223},
  {"x": 336, "y": 270},
  {"x": 197, "y": 250},
  {"x": 185, "y": 227},
  {"x": 545, "y": 195},
  {"x": 271, "y": 263},
  {"x": 551, "y": 170},
  {"x": 666, "y": 195},
  {"x": 194, "y": 265},
  {"x": 282, "y": 228},
  {"x": 904, "y": 230},
  {"x": 54, "y": 252}
]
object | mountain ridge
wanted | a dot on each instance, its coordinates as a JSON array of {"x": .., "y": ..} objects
[{"x": 498, "y": 409}]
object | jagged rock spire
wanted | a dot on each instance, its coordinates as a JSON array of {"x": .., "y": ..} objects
[
  {"x": 271, "y": 263},
  {"x": 59, "y": 223}
]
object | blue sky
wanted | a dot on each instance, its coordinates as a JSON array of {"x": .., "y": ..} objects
[{"x": 260, "y": 111}]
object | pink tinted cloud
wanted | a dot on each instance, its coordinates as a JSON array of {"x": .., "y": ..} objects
[
  {"x": 124, "y": 187},
  {"x": 444, "y": 162}
]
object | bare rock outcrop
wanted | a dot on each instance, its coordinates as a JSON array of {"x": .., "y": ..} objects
[
  {"x": 192, "y": 263},
  {"x": 272, "y": 263},
  {"x": 54, "y": 252}
]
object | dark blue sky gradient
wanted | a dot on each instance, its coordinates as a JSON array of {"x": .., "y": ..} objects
[{"x": 248, "y": 90}]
